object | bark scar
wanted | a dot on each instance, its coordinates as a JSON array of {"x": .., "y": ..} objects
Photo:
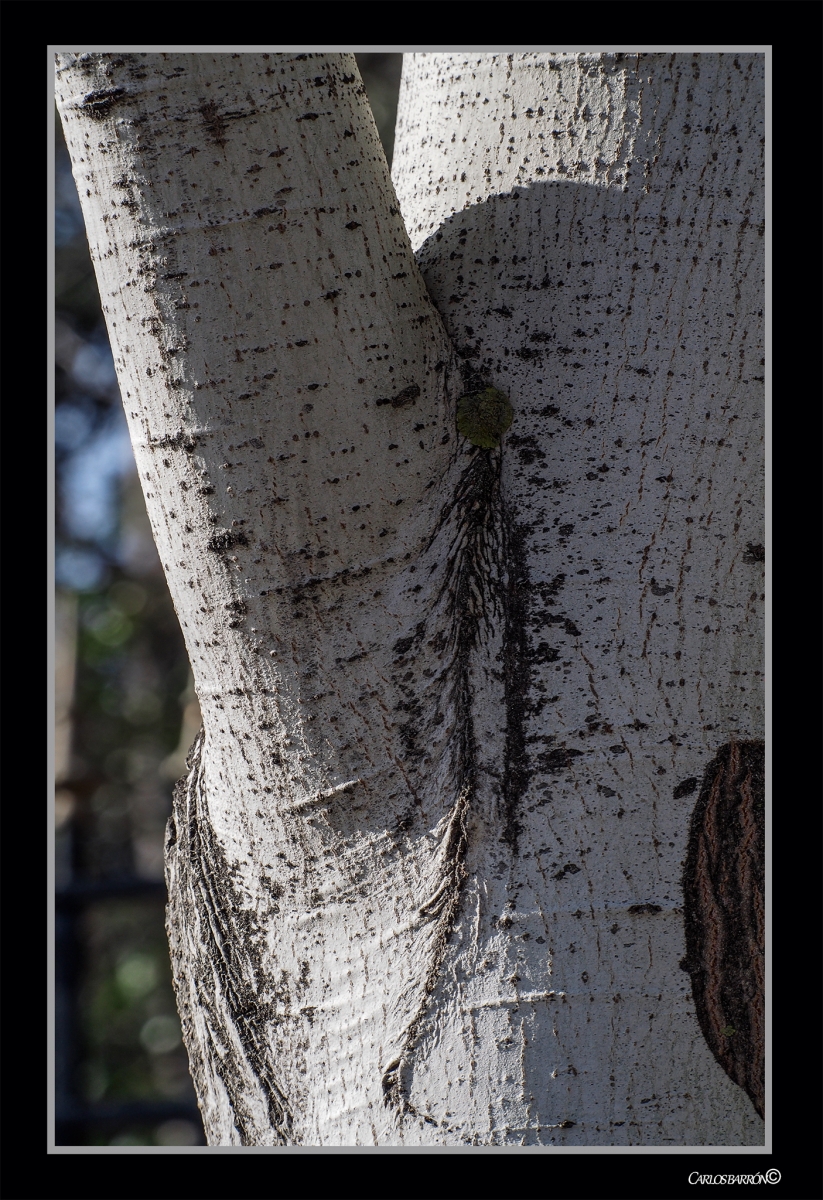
[
  {"x": 215, "y": 968},
  {"x": 723, "y": 886}
]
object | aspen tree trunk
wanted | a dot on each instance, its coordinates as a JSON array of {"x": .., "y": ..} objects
[{"x": 426, "y": 872}]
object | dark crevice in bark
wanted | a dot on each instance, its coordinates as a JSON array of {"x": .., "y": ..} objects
[
  {"x": 484, "y": 588},
  {"x": 217, "y": 966},
  {"x": 470, "y": 598},
  {"x": 723, "y": 886},
  {"x": 517, "y": 674},
  {"x": 442, "y": 908}
]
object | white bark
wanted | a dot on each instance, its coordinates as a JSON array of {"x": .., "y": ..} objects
[{"x": 447, "y": 693}]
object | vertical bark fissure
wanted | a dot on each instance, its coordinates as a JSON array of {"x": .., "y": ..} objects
[
  {"x": 469, "y": 523},
  {"x": 483, "y": 593},
  {"x": 517, "y": 673}
]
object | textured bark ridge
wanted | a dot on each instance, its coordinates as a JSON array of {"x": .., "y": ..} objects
[
  {"x": 230, "y": 1002},
  {"x": 221, "y": 992},
  {"x": 723, "y": 883},
  {"x": 480, "y": 621}
]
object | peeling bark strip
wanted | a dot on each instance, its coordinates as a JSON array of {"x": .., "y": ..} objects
[
  {"x": 723, "y": 884},
  {"x": 218, "y": 976}
]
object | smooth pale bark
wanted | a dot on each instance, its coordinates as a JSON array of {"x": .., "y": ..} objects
[{"x": 448, "y": 694}]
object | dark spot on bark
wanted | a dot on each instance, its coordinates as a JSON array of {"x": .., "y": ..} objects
[
  {"x": 402, "y": 399},
  {"x": 569, "y": 869},
  {"x": 639, "y": 909},
  {"x": 685, "y": 787},
  {"x": 214, "y": 123},
  {"x": 555, "y": 761},
  {"x": 754, "y": 552},
  {"x": 528, "y": 449},
  {"x": 544, "y": 653},
  {"x": 224, "y": 539},
  {"x": 177, "y": 441},
  {"x": 547, "y": 593},
  {"x": 97, "y": 104}
]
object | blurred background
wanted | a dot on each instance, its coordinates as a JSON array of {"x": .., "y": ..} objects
[{"x": 125, "y": 717}]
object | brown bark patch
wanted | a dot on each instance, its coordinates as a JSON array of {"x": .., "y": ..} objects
[{"x": 723, "y": 886}]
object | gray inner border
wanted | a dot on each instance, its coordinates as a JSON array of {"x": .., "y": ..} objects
[{"x": 300, "y": 48}]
